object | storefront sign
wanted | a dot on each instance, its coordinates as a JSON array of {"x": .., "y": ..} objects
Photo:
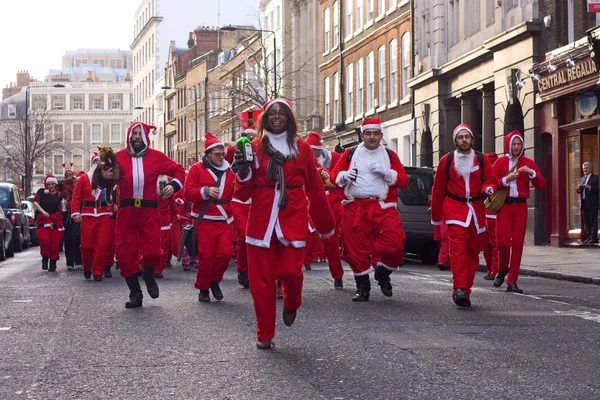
[
  {"x": 564, "y": 76},
  {"x": 593, "y": 6}
]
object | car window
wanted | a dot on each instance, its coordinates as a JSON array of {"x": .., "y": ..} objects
[
  {"x": 4, "y": 197},
  {"x": 418, "y": 191},
  {"x": 16, "y": 198}
]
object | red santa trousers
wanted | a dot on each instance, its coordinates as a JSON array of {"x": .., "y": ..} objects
[
  {"x": 511, "y": 224},
  {"x": 94, "y": 243},
  {"x": 490, "y": 249},
  {"x": 215, "y": 245},
  {"x": 165, "y": 242},
  {"x": 332, "y": 251},
  {"x": 240, "y": 221},
  {"x": 112, "y": 243},
  {"x": 311, "y": 251},
  {"x": 264, "y": 265},
  {"x": 444, "y": 253},
  {"x": 369, "y": 229},
  {"x": 49, "y": 240},
  {"x": 465, "y": 245},
  {"x": 138, "y": 239}
]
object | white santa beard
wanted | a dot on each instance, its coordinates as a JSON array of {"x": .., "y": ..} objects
[{"x": 463, "y": 163}]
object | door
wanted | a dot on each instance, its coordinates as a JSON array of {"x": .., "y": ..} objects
[
  {"x": 573, "y": 172},
  {"x": 548, "y": 174},
  {"x": 589, "y": 150}
]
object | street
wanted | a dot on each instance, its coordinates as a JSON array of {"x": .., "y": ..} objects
[{"x": 62, "y": 337}]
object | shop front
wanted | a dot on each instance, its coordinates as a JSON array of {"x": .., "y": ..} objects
[{"x": 567, "y": 108}]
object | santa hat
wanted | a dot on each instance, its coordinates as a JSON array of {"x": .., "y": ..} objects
[
  {"x": 95, "y": 157},
  {"x": 279, "y": 100},
  {"x": 371, "y": 123},
  {"x": 508, "y": 140},
  {"x": 315, "y": 141},
  {"x": 147, "y": 130},
  {"x": 249, "y": 116},
  {"x": 49, "y": 179},
  {"x": 251, "y": 130},
  {"x": 211, "y": 141},
  {"x": 461, "y": 127}
]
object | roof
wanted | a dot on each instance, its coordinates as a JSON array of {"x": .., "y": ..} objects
[
  {"x": 84, "y": 68},
  {"x": 97, "y": 51}
]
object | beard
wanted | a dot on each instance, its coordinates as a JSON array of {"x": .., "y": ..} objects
[
  {"x": 138, "y": 146},
  {"x": 463, "y": 163}
]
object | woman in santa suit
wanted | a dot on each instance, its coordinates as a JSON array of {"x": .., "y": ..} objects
[
  {"x": 279, "y": 181},
  {"x": 49, "y": 221}
]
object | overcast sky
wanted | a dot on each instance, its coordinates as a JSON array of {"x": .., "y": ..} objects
[{"x": 34, "y": 34}]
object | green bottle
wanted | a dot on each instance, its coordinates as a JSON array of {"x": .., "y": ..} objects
[{"x": 244, "y": 145}]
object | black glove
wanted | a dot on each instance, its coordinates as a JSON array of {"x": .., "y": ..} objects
[{"x": 241, "y": 167}]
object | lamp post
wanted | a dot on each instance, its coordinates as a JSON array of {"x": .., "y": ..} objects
[
  {"x": 232, "y": 28},
  {"x": 167, "y": 87}
]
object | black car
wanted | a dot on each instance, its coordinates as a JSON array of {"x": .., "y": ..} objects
[
  {"x": 6, "y": 239},
  {"x": 10, "y": 202},
  {"x": 29, "y": 210},
  {"x": 413, "y": 206}
]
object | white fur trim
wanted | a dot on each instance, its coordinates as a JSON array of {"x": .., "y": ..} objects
[
  {"x": 533, "y": 175},
  {"x": 391, "y": 177},
  {"x": 275, "y": 101},
  {"x": 249, "y": 201},
  {"x": 165, "y": 228},
  {"x": 51, "y": 180},
  {"x": 380, "y": 264},
  {"x": 379, "y": 127},
  {"x": 436, "y": 222},
  {"x": 461, "y": 128},
  {"x": 328, "y": 234},
  {"x": 364, "y": 273},
  {"x": 214, "y": 145},
  {"x": 490, "y": 216}
]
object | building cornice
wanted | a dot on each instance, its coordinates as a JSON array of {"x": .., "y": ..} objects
[{"x": 144, "y": 29}]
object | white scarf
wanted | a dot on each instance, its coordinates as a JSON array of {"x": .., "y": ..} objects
[
  {"x": 463, "y": 163},
  {"x": 280, "y": 144}
]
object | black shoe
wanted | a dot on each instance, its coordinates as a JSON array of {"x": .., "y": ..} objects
[
  {"x": 87, "y": 274},
  {"x": 186, "y": 269},
  {"x": 107, "y": 273},
  {"x": 98, "y": 278},
  {"x": 363, "y": 288},
  {"x": 117, "y": 265},
  {"x": 204, "y": 296},
  {"x": 338, "y": 283},
  {"x": 168, "y": 264},
  {"x": 159, "y": 276},
  {"x": 513, "y": 288},
  {"x": 243, "y": 279},
  {"x": 382, "y": 276},
  {"x": 443, "y": 267},
  {"x": 585, "y": 242},
  {"x": 151, "y": 285},
  {"x": 216, "y": 291},
  {"x": 52, "y": 266},
  {"x": 461, "y": 299},
  {"x": 592, "y": 241},
  {"x": 135, "y": 294},
  {"x": 45, "y": 263},
  {"x": 489, "y": 277},
  {"x": 139, "y": 272},
  {"x": 499, "y": 280}
]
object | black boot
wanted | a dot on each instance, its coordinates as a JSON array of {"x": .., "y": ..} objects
[
  {"x": 243, "y": 279},
  {"x": 151, "y": 285},
  {"x": 514, "y": 288},
  {"x": 52, "y": 266},
  {"x": 382, "y": 276},
  {"x": 204, "y": 296},
  {"x": 461, "y": 299},
  {"x": 87, "y": 274},
  {"x": 98, "y": 278},
  {"x": 135, "y": 292},
  {"x": 107, "y": 273},
  {"x": 45, "y": 263},
  {"x": 216, "y": 291},
  {"x": 499, "y": 280},
  {"x": 363, "y": 288}
]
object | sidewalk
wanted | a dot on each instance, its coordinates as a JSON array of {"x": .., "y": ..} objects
[{"x": 577, "y": 264}]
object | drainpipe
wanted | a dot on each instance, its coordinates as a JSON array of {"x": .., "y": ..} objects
[{"x": 412, "y": 91}]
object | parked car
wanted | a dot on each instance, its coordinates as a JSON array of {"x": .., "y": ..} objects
[
  {"x": 29, "y": 210},
  {"x": 6, "y": 240},
  {"x": 10, "y": 202},
  {"x": 413, "y": 206}
]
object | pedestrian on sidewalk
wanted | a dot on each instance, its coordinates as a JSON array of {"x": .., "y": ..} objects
[
  {"x": 209, "y": 186},
  {"x": 49, "y": 202},
  {"x": 514, "y": 171},
  {"x": 588, "y": 192},
  {"x": 279, "y": 181},
  {"x": 462, "y": 178},
  {"x": 489, "y": 245}
]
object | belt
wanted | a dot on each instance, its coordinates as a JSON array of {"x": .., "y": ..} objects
[
  {"x": 220, "y": 201},
  {"x": 94, "y": 204},
  {"x": 137, "y": 203},
  {"x": 273, "y": 187},
  {"x": 464, "y": 199},
  {"x": 514, "y": 200}
]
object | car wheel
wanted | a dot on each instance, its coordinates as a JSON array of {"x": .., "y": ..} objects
[
  {"x": 25, "y": 244},
  {"x": 2, "y": 248},
  {"x": 10, "y": 252},
  {"x": 429, "y": 253},
  {"x": 18, "y": 242}
]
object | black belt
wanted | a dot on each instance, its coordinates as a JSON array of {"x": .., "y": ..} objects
[
  {"x": 137, "y": 203},
  {"x": 94, "y": 204},
  {"x": 220, "y": 201},
  {"x": 514, "y": 200},
  {"x": 464, "y": 199},
  {"x": 287, "y": 187}
]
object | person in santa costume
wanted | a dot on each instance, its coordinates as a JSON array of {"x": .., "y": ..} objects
[
  {"x": 326, "y": 161},
  {"x": 457, "y": 198},
  {"x": 279, "y": 181},
  {"x": 50, "y": 228},
  {"x": 489, "y": 247},
  {"x": 90, "y": 209},
  {"x": 209, "y": 186},
  {"x": 138, "y": 218},
  {"x": 514, "y": 171},
  {"x": 72, "y": 230},
  {"x": 167, "y": 209},
  {"x": 371, "y": 175}
]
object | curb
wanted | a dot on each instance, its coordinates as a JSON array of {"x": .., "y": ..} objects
[{"x": 553, "y": 275}]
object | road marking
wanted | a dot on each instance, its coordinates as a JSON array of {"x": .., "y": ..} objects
[
  {"x": 588, "y": 316},
  {"x": 22, "y": 301},
  {"x": 5, "y": 328}
]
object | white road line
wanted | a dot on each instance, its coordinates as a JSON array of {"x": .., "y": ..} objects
[
  {"x": 588, "y": 316},
  {"x": 5, "y": 328},
  {"x": 22, "y": 301}
]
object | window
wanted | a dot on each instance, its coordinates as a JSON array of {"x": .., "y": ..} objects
[
  {"x": 12, "y": 111},
  {"x": 58, "y": 132},
  {"x": 96, "y": 133},
  {"x": 77, "y": 132},
  {"x": 472, "y": 25},
  {"x": 570, "y": 22},
  {"x": 77, "y": 162},
  {"x": 405, "y": 63},
  {"x": 490, "y": 7},
  {"x": 7, "y": 169},
  {"x": 381, "y": 76},
  {"x": 326, "y": 31},
  {"x": 115, "y": 133},
  {"x": 58, "y": 103},
  {"x": 380, "y": 8},
  {"x": 77, "y": 102},
  {"x": 326, "y": 116},
  {"x": 278, "y": 17},
  {"x": 359, "y": 14},
  {"x": 370, "y": 80},
  {"x": 370, "y": 11},
  {"x": 39, "y": 103},
  {"x": 115, "y": 104},
  {"x": 393, "y": 70},
  {"x": 392, "y": 5},
  {"x": 58, "y": 162},
  {"x": 272, "y": 19},
  {"x": 349, "y": 18},
  {"x": 359, "y": 87},
  {"x": 349, "y": 90},
  {"x": 336, "y": 98},
  {"x": 170, "y": 146},
  {"x": 8, "y": 134},
  {"x": 116, "y": 64},
  {"x": 336, "y": 24},
  {"x": 97, "y": 103},
  {"x": 39, "y": 166},
  {"x": 453, "y": 24},
  {"x": 170, "y": 114}
]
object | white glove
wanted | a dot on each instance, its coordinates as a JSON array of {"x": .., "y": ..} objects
[
  {"x": 489, "y": 191},
  {"x": 378, "y": 168},
  {"x": 350, "y": 175}
]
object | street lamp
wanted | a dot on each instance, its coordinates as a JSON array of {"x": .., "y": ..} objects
[
  {"x": 232, "y": 28},
  {"x": 167, "y": 87}
]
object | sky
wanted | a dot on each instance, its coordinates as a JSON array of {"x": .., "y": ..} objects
[{"x": 34, "y": 34}]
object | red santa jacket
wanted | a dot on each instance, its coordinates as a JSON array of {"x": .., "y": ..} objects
[
  {"x": 200, "y": 177},
  {"x": 458, "y": 212},
  {"x": 520, "y": 186},
  {"x": 138, "y": 175},
  {"x": 84, "y": 203},
  {"x": 391, "y": 161},
  {"x": 289, "y": 224}
]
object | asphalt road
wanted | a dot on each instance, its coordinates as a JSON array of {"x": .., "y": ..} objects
[{"x": 62, "y": 337}]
